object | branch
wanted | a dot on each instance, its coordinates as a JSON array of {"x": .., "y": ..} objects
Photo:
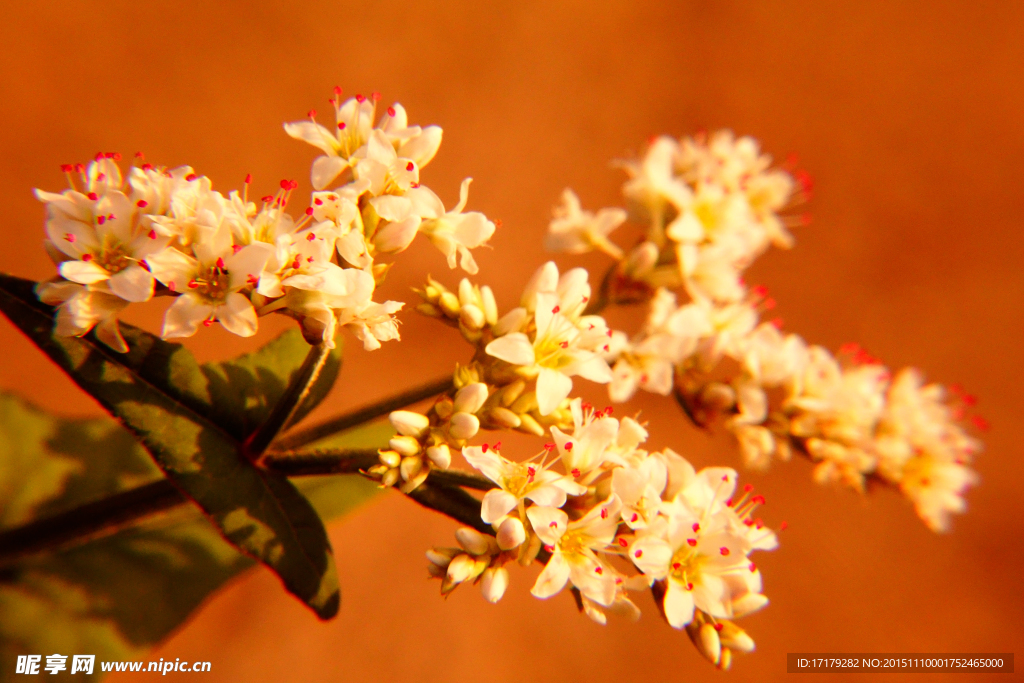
[{"x": 316, "y": 432}]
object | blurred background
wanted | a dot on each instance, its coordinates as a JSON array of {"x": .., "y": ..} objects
[{"x": 908, "y": 116}]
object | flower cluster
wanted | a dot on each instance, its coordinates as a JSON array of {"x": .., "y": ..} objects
[
  {"x": 608, "y": 518},
  {"x": 712, "y": 206},
  {"x": 230, "y": 260}
]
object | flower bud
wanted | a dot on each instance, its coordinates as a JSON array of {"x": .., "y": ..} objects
[
  {"x": 490, "y": 306},
  {"x": 466, "y": 294},
  {"x": 530, "y": 426},
  {"x": 503, "y": 417},
  {"x": 449, "y": 303},
  {"x": 441, "y": 557},
  {"x": 513, "y": 321},
  {"x": 511, "y": 392},
  {"x": 471, "y": 397},
  {"x": 390, "y": 458},
  {"x": 390, "y": 478},
  {"x": 749, "y": 602},
  {"x": 404, "y": 445},
  {"x": 493, "y": 583},
  {"x": 464, "y": 426},
  {"x": 735, "y": 638},
  {"x": 473, "y": 541},
  {"x": 408, "y": 423},
  {"x": 511, "y": 533},
  {"x": 641, "y": 259},
  {"x": 411, "y": 467},
  {"x": 472, "y": 317},
  {"x": 718, "y": 396},
  {"x": 525, "y": 403},
  {"x": 441, "y": 456},
  {"x": 461, "y": 568},
  {"x": 429, "y": 310},
  {"x": 725, "y": 661},
  {"x": 706, "y": 640}
]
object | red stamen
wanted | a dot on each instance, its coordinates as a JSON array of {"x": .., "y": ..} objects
[
  {"x": 556, "y": 309},
  {"x": 342, "y": 126},
  {"x": 723, "y": 550},
  {"x": 87, "y": 257},
  {"x": 190, "y": 177},
  {"x": 70, "y": 238},
  {"x": 309, "y": 210},
  {"x": 142, "y": 203},
  {"x": 93, "y": 196},
  {"x": 311, "y": 236},
  {"x": 220, "y": 262},
  {"x": 248, "y": 178},
  {"x": 575, "y": 472},
  {"x": 152, "y": 234},
  {"x": 409, "y": 166},
  {"x": 568, "y": 445},
  {"x": 599, "y": 570},
  {"x": 391, "y": 111},
  {"x": 692, "y": 542},
  {"x": 638, "y": 553},
  {"x": 318, "y": 201}
]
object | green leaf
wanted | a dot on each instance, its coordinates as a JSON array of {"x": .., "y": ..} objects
[
  {"x": 159, "y": 392},
  {"x": 116, "y": 596}
]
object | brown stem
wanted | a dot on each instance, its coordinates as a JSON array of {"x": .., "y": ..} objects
[{"x": 313, "y": 433}]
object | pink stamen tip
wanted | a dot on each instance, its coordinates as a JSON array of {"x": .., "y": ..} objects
[
  {"x": 783, "y": 526},
  {"x": 759, "y": 523},
  {"x": 634, "y": 517},
  {"x": 530, "y": 470},
  {"x": 759, "y": 499},
  {"x": 409, "y": 166},
  {"x": 248, "y": 178},
  {"x": 252, "y": 279},
  {"x": 267, "y": 198},
  {"x": 568, "y": 445},
  {"x": 337, "y": 91},
  {"x": 375, "y": 96},
  {"x": 311, "y": 236},
  {"x": 748, "y": 487},
  {"x": 93, "y": 196},
  {"x": 606, "y": 348},
  {"x": 309, "y": 259},
  {"x": 496, "y": 446},
  {"x": 564, "y": 344},
  {"x": 549, "y": 548},
  {"x": 190, "y": 177},
  {"x": 235, "y": 248},
  {"x": 604, "y": 513},
  {"x": 152, "y": 234},
  {"x": 769, "y": 304},
  {"x": 100, "y": 220},
  {"x": 696, "y": 528},
  {"x": 599, "y": 570},
  {"x": 391, "y": 111},
  {"x": 970, "y": 400},
  {"x": 147, "y": 167},
  {"x": 360, "y": 98},
  {"x": 622, "y": 542},
  {"x": 638, "y": 553},
  {"x": 207, "y": 322},
  {"x": 87, "y": 257},
  {"x": 142, "y": 203},
  {"x": 220, "y": 262},
  {"x": 981, "y": 423},
  {"x": 556, "y": 309},
  {"x": 342, "y": 125},
  {"x": 484, "y": 448},
  {"x": 192, "y": 284},
  {"x": 549, "y": 446},
  {"x": 609, "y": 334},
  {"x": 311, "y": 113},
  {"x": 80, "y": 167},
  {"x": 689, "y": 586},
  {"x": 67, "y": 168},
  {"x": 309, "y": 212},
  {"x": 691, "y": 542},
  {"x": 723, "y": 550},
  {"x": 725, "y": 477},
  {"x": 776, "y": 323},
  {"x": 676, "y": 565},
  {"x": 318, "y": 201},
  {"x": 286, "y": 185},
  {"x": 101, "y": 177},
  {"x": 70, "y": 238},
  {"x": 718, "y": 627},
  {"x": 575, "y": 472},
  {"x": 553, "y": 525}
]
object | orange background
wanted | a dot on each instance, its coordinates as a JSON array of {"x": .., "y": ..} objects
[{"x": 909, "y": 117}]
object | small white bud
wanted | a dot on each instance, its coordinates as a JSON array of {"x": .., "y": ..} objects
[
  {"x": 461, "y": 568},
  {"x": 641, "y": 259},
  {"x": 466, "y": 294},
  {"x": 473, "y": 541},
  {"x": 411, "y": 467},
  {"x": 735, "y": 638},
  {"x": 503, "y": 417},
  {"x": 472, "y": 317},
  {"x": 390, "y": 458},
  {"x": 494, "y": 583},
  {"x": 471, "y": 397},
  {"x": 464, "y": 426},
  {"x": 441, "y": 456},
  {"x": 390, "y": 478},
  {"x": 511, "y": 533},
  {"x": 490, "y": 305},
  {"x": 707, "y": 641},
  {"x": 408, "y": 423},
  {"x": 449, "y": 303},
  {"x": 404, "y": 445},
  {"x": 439, "y": 558},
  {"x": 750, "y": 602}
]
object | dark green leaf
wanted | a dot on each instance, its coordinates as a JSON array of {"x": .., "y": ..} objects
[
  {"x": 161, "y": 394},
  {"x": 116, "y": 596}
]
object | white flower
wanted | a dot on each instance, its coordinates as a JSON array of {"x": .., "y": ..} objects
[
  {"x": 653, "y": 185},
  {"x": 453, "y": 232},
  {"x": 593, "y": 434},
  {"x": 347, "y": 144},
  {"x": 518, "y": 482},
  {"x": 573, "y": 547},
  {"x": 576, "y": 231},
  {"x": 82, "y": 308},
  {"x": 556, "y": 354},
  {"x": 210, "y": 285}
]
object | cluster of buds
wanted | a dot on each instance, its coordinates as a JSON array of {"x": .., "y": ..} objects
[
  {"x": 472, "y": 310},
  {"x": 717, "y": 639},
  {"x": 477, "y": 559},
  {"x": 227, "y": 259}
]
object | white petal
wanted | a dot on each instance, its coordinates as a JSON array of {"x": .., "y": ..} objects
[
  {"x": 174, "y": 269},
  {"x": 423, "y": 147},
  {"x": 514, "y": 348},
  {"x": 678, "y": 605},
  {"x": 134, "y": 283},
  {"x": 553, "y": 578},
  {"x": 593, "y": 368},
  {"x": 325, "y": 169},
  {"x": 83, "y": 272},
  {"x": 496, "y": 504},
  {"x": 547, "y": 496},
  {"x": 183, "y": 317},
  {"x": 548, "y": 523},
  {"x": 552, "y": 388},
  {"x": 237, "y": 315},
  {"x": 313, "y": 133}
]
